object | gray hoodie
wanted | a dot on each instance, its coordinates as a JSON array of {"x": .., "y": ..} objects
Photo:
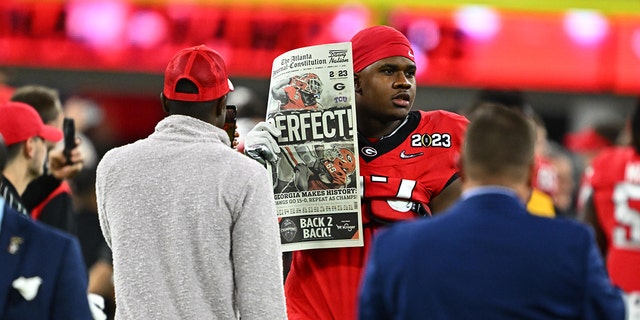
[{"x": 192, "y": 226}]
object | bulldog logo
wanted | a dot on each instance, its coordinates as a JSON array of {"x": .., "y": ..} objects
[{"x": 288, "y": 229}]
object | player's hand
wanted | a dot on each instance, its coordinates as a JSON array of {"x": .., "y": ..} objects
[
  {"x": 236, "y": 135},
  {"x": 260, "y": 143},
  {"x": 60, "y": 168}
]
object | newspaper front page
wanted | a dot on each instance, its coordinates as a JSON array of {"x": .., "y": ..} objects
[{"x": 316, "y": 177}]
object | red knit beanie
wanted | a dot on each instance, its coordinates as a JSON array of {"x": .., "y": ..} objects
[{"x": 376, "y": 43}]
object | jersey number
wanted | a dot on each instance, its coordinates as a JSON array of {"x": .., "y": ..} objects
[
  {"x": 627, "y": 231},
  {"x": 442, "y": 140}
]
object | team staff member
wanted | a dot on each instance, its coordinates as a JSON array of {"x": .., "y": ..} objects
[
  {"x": 48, "y": 198},
  {"x": 323, "y": 283},
  {"x": 190, "y": 221},
  {"x": 26, "y": 137}
]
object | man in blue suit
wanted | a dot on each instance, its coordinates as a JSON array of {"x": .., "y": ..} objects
[
  {"x": 42, "y": 275},
  {"x": 487, "y": 257}
]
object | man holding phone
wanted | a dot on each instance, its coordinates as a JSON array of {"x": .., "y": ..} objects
[
  {"x": 48, "y": 198},
  {"x": 195, "y": 215}
]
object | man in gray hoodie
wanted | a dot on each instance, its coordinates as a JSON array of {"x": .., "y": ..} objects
[{"x": 191, "y": 221}]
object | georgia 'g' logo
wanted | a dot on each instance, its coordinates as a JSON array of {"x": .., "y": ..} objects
[
  {"x": 435, "y": 140},
  {"x": 288, "y": 229},
  {"x": 369, "y": 151}
]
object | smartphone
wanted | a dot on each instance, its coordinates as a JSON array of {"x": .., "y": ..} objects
[
  {"x": 230, "y": 122},
  {"x": 69, "y": 130}
]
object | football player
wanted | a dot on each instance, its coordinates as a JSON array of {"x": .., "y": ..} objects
[
  {"x": 613, "y": 207},
  {"x": 333, "y": 171},
  {"x": 302, "y": 92},
  {"x": 408, "y": 164}
]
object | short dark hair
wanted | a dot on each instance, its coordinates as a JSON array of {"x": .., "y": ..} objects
[
  {"x": 45, "y": 100},
  {"x": 499, "y": 143},
  {"x": 198, "y": 110},
  {"x": 14, "y": 150},
  {"x": 514, "y": 99}
]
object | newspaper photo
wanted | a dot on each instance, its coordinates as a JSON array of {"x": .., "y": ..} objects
[{"x": 315, "y": 180}]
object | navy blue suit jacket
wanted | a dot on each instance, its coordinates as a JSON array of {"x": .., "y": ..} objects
[
  {"x": 30, "y": 249},
  {"x": 487, "y": 258}
]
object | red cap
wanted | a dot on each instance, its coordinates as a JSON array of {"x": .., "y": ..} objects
[
  {"x": 19, "y": 122},
  {"x": 204, "y": 67},
  {"x": 376, "y": 43},
  {"x": 585, "y": 140}
]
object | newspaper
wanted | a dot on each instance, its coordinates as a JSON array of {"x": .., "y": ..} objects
[{"x": 316, "y": 178}]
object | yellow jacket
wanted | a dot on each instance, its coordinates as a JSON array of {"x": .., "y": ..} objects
[{"x": 541, "y": 204}]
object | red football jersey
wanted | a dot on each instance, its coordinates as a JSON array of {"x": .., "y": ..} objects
[
  {"x": 615, "y": 182},
  {"x": 400, "y": 174}
]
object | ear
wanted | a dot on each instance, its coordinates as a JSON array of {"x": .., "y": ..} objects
[
  {"x": 163, "y": 101},
  {"x": 356, "y": 81},
  {"x": 221, "y": 106},
  {"x": 29, "y": 148},
  {"x": 530, "y": 178},
  {"x": 531, "y": 174},
  {"x": 461, "y": 171},
  {"x": 219, "y": 111}
]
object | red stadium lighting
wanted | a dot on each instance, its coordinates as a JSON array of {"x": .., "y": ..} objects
[
  {"x": 422, "y": 60},
  {"x": 478, "y": 22},
  {"x": 348, "y": 21},
  {"x": 586, "y": 27},
  {"x": 635, "y": 43},
  {"x": 146, "y": 29},
  {"x": 424, "y": 34},
  {"x": 97, "y": 23}
]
